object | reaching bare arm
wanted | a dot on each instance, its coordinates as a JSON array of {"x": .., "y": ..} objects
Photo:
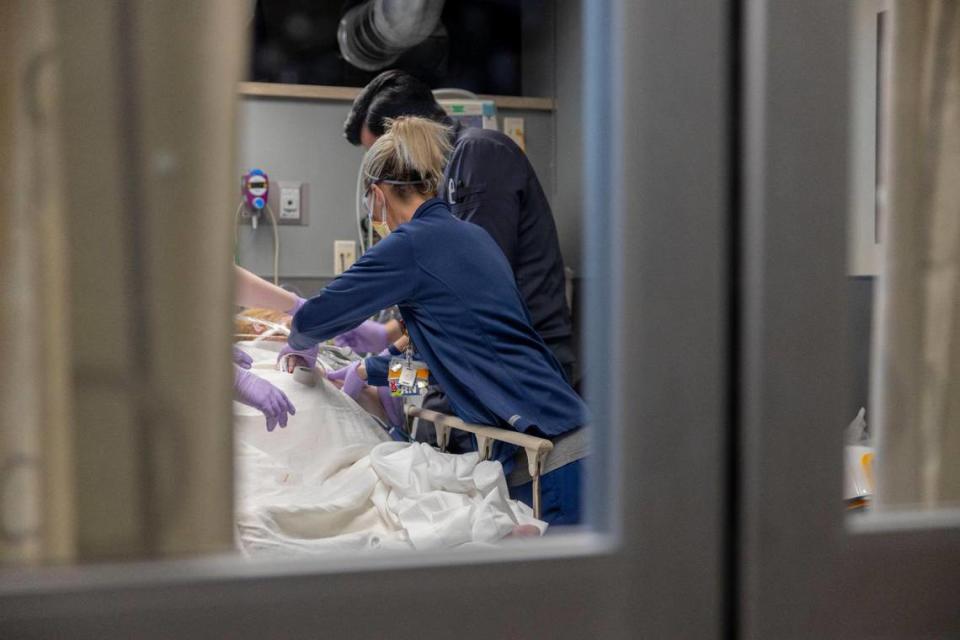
[{"x": 252, "y": 291}]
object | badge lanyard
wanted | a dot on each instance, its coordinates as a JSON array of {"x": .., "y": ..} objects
[{"x": 406, "y": 376}]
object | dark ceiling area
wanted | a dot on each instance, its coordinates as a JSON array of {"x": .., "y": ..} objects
[{"x": 476, "y": 46}]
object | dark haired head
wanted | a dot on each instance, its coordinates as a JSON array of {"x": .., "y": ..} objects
[{"x": 390, "y": 95}]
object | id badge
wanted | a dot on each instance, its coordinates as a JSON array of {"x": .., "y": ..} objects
[{"x": 407, "y": 377}]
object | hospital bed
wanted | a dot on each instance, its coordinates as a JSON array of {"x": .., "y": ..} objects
[
  {"x": 335, "y": 480},
  {"x": 537, "y": 449}
]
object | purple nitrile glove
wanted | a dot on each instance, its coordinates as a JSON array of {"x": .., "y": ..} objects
[
  {"x": 353, "y": 384},
  {"x": 392, "y": 406},
  {"x": 241, "y": 358},
  {"x": 296, "y": 306},
  {"x": 256, "y": 392},
  {"x": 369, "y": 337},
  {"x": 309, "y": 356}
]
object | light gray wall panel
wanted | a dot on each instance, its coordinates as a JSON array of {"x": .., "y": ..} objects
[
  {"x": 568, "y": 203},
  {"x": 300, "y": 140},
  {"x": 303, "y": 141}
]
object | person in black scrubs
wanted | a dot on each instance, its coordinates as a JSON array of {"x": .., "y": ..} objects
[{"x": 488, "y": 181}]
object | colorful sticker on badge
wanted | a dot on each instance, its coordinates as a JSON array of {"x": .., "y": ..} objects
[{"x": 407, "y": 377}]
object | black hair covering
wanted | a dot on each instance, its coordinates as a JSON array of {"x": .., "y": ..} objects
[{"x": 391, "y": 94}]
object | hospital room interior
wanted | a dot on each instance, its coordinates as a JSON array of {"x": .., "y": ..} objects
[{"x": 480, "y": 318}]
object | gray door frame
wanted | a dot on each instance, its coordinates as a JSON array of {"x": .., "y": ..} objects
[{"x": 808, "y": 569}]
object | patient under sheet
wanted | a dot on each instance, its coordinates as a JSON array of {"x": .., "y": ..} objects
[{"x": 333, "y": 480}]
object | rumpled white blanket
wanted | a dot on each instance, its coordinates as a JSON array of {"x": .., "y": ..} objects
[{"x": 332, "y": 480}]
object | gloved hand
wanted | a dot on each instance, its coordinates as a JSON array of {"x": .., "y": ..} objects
[
  {"x": 241, "y": 359},
  {"x": 298, "y": 357},
  {"x": 369, "y": 337},
  {"x": 353, "y": 384},
  {"x": 392, "y": 406},
  {"x": 256, "y": 392},
  {"x": 296, "y": 306}
]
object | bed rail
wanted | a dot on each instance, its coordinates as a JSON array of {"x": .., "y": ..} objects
[{"x": 537, "y": 449}]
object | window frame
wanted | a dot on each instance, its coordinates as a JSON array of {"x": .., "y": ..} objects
[{"x": 655, "y": 565}]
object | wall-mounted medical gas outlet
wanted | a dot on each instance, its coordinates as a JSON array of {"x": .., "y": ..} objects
[
  {"x": 345, "y": 254},
  {"x": 255, "y": 188},
  {"x": 287, "y": 200}
]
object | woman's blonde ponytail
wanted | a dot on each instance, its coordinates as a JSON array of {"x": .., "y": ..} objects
[{"x": 412, "y": 150}]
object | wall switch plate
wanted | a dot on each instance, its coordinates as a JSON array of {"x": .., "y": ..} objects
[
  {"x": 345, "y": 254},
  {"x": 289, "y": 202}
]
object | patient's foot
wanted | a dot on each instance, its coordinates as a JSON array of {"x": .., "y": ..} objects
[{"x": 525, "y": 531}]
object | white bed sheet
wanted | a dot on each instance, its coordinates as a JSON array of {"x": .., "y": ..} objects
[{"x": 332, "y": 480}]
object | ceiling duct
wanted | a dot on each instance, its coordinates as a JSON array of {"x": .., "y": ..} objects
[{"x": 374, "y": 34}]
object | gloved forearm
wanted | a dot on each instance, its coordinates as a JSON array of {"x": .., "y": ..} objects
[
  {"x": 307, "y": 356},
  {"x": 356, "y": 376},
  {"x": 256, "y": 392},
  {"x": 351, "y": 381},
  {"x": 368, "y": 337},
  {"x": 392, "y": 406},
  {"x": 241, "y": 358}
]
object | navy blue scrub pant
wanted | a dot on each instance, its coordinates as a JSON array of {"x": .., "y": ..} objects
[{"x": 559, "y": 494}]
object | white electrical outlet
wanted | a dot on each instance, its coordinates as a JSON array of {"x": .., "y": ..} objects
[
  {"x": 345, "y": 254},
  {"x": 290, "y": 201}
]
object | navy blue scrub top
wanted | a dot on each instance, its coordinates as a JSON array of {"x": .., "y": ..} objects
[
  {"x": 490, "y": 182},
  {"x": 465, "y": 315}
]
